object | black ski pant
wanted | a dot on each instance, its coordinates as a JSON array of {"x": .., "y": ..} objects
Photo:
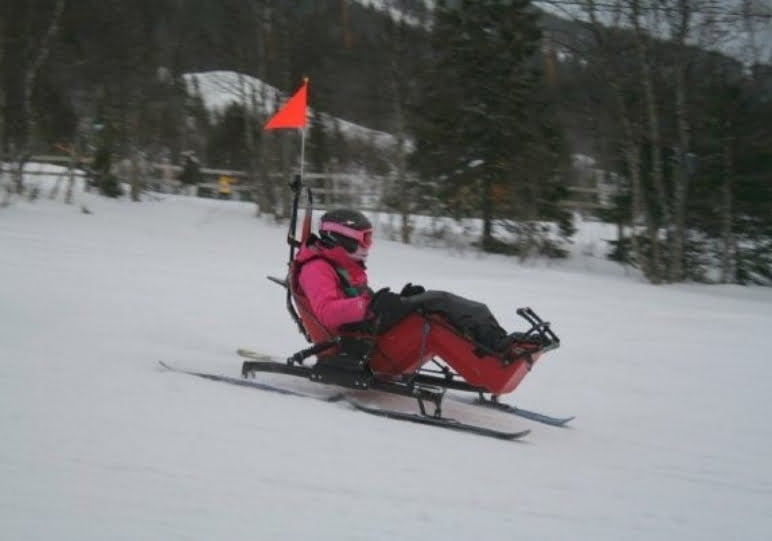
[{"x": 469, "y": 317}]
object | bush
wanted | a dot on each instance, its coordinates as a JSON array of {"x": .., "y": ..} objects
[{"x": 109, "y": 185}]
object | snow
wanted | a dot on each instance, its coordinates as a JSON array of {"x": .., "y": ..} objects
[
  {"x": 669, "y": 385},
  {"x": 220, "y": 88}
]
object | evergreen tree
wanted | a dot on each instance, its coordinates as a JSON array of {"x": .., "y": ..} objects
[
  {"x": 481, "y": 125},
  {"x": 226, "y": 145}
]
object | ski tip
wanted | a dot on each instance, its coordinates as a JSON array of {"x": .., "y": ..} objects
[
  {"x": 559, "y": 422},
  {"x": 553, "y": 421},
  {"x": 518, "y": 435},
  {"x": 251, "y": 354}
]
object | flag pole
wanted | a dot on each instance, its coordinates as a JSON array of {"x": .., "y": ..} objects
[
  {"x": 294, "y": 114},
  {"x": 305, "y": 229},
  {"x": 302, "y": 151},
  {"x": 297, "y": 187},
  {"x": 303, "y": 139}
]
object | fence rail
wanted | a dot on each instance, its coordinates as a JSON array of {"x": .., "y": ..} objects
[{"x": 330, "y": 189}]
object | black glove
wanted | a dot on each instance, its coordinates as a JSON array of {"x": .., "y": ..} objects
[
  {"x": 384, "y": 302},
  {"x": 409, "y": 290}
]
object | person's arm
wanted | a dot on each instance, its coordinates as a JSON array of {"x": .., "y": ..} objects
[{"x": 320, "y": 284}]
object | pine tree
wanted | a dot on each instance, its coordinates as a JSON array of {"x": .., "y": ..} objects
[{"x": 482, "y": 127}]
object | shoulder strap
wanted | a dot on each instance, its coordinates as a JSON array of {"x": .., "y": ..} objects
[{"x": 345, "y": 279}]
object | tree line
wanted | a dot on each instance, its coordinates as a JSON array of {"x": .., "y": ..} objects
[{"x": 486, "y": 101}]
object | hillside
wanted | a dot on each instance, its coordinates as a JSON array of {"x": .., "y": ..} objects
[{"x": 669, "y": 386}]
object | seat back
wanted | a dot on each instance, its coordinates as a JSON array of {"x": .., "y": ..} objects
[{"x": 315, "y": 331}]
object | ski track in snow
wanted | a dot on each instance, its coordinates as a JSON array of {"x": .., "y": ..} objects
[{"x": 669, "y": 385}]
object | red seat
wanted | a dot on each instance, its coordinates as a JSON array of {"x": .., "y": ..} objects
[{"x": 418, "y": 339}]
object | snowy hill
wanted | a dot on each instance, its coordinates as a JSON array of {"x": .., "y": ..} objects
[
  {"x": 669, "y": 386},
  {"x": 221, "y": 88}
]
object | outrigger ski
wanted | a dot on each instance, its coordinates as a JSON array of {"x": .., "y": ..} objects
[
  {"x": 261, "y": 362},
  {"x": 421, "y": 418}
]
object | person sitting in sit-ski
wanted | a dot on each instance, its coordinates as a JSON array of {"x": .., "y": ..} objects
[{"x": 333, "y": 277}]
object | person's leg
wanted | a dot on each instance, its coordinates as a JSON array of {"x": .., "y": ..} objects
[
  {"x": 470, "y": 317},
  {"x": 387, "y": 315}
]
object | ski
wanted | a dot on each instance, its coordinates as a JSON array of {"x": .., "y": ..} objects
[
  {"x": 498, "y": 406},
  {"x": 513, "y": 410},
  {"x": 442, "y": 422},
  {"x": 538, "y": 417},
  {"x": 254, "y": 384}
]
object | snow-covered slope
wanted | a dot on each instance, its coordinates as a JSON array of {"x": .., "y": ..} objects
[{"x": 669, "y": 385}]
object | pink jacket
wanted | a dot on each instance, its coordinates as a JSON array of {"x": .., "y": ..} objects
[{"x": 322, "y": 285}]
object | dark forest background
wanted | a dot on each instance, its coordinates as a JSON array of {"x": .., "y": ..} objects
[{"x": 489, "y": 102}]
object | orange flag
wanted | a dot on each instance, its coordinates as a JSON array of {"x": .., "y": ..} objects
[{"x": 293, "y": 114}]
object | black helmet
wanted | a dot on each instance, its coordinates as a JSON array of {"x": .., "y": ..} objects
[{"x": 347, "y": 228}]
